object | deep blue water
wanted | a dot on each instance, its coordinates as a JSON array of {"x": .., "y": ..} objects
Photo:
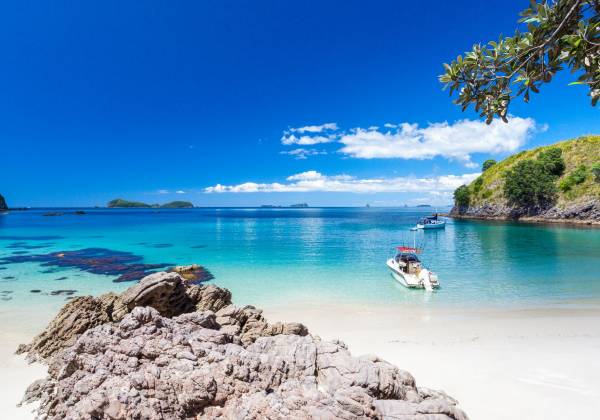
[{"x": 308, "y": 255}]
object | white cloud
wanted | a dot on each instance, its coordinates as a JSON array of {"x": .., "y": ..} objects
[
  {"x": 457, "y": 141},
  {"x": 309, "y": 135},
  {"x": 180, "y": 192},
  {"x": 312, "y": 181},
  {"x": 303, "y": 153},
  {"x": 314, "y": 128},
  {"x": 453, "y": 141},
  {"x": 162, "y": 192},
  {"x": 289, "y": 139}
]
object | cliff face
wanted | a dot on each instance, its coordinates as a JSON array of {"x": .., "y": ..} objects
[
  {"x": 3, "y": 205},
  {"x": 579, "y": 204}
]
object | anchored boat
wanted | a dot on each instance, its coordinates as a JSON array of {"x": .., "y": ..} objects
[
  {"x": 407, "y": 269},
  {"x": 431, "y": 222}
]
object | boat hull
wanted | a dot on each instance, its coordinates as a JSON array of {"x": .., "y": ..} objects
[
  {"x": 408, "y": 280},
  {"x": 428, "y": 226}
]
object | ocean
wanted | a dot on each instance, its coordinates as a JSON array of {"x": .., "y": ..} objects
[{"x": 313, "y": 256}]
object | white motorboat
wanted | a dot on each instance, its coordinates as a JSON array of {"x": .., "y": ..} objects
[
  {"x": 407, "y": 269},
  {"x": 431, "y": 222}
]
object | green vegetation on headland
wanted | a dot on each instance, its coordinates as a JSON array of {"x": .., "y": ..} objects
[
  {"x": 560, "y": 181},
  {"x": 120, "y": 203}
]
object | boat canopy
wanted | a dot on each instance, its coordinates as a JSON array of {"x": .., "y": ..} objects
[{"x": 408, "y": 249}]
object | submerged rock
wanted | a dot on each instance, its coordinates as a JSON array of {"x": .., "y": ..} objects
[
  {"x": 193, "y": 273},
  {"x": 167, "y": 350}
]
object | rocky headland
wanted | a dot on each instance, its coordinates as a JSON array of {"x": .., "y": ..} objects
[
  {"x": 559, "y": 183},
  {"x": 165, "y": 349},
  {"x": 586, "y": 212}
]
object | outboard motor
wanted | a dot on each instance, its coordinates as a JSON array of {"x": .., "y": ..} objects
[{"x": 425, "y": 280}]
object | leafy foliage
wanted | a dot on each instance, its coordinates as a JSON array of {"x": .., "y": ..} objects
[
  {"x": 552, "y": 161},
  {"x": 562, "y": 33},
  {"x": 574, "y": 178},
  {"x": 529, "y": 185},
  {"x": 488, "y": 164},
  {"x": 477, "y": 184},
  {"x": 596, "y": 171},
  {"x": 462, "y": 196}
]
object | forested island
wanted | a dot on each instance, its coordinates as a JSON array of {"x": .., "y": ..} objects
[{"x": 121, "y": 203}]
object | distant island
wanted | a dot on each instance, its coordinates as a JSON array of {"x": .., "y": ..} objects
[
  {"x": 300, "y": 205},
  {"x": 423, "y": 205},
  {"x": 3, "y": 205},
  {"x": 556, "y": 183},
  {"x": 121, "y": 203}
]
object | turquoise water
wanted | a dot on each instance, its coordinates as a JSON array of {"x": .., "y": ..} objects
[{"x": 310, "y": 255}]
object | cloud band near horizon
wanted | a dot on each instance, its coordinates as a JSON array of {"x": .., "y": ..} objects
[{"x": 313, "y": 181}]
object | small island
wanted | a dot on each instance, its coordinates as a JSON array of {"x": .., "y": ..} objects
[
  {"x": 3, "y": 205},
  {"x": 177, "y": 205},
  {"x": 121, "y": 203},
  {"x": 299, "y": 206}
]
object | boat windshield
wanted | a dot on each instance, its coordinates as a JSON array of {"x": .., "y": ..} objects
[{"x": 407, "y": 257}]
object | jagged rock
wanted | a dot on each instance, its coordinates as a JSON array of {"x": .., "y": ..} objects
[
  {"x": 3, "y": 205},
  {"x": 209, "y": 297},
  {"x": 76, "y": 317},
  {"x": 249, "y": 322},
  {"x": 150, "y": 366},
  {"x": 163, "y": 291},
  {"x": 586, "y": 211},
  {"x": 167, "y": 350}
]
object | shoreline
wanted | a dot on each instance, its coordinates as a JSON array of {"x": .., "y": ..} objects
[
  {"x": 528, "y": 220},
  {"x": 533, "y": 358}
]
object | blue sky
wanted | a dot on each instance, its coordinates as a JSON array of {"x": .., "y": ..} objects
[{"x": 143, "y": 99}]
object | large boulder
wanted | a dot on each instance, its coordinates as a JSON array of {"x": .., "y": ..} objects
[
  {"x": 186, "y": 367},
  {"x": 166, "y": 350}
]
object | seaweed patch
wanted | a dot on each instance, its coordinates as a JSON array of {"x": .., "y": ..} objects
[{"x": 125, "y": 265}]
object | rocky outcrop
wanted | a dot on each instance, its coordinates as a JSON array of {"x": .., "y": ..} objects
[
  {"x": 3, "y": 205},
  {"x": 166, "y": 350},
  {"x": 584, "y": 212}
]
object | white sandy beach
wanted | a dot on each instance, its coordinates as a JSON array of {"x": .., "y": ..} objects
[
  {"x": 500, "y": 364},
  {"x": 537, "y": 364}
]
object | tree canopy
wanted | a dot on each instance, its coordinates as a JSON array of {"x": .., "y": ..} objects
[
  {"x": 530, "y": 184},
  {"x": 462, "y": 196},
  {"x": 560, "y": 34},
  {"x": 488, "y": 164}
]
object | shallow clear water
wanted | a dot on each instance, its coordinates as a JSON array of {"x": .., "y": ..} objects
[{"x": 268, "y": 256}]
